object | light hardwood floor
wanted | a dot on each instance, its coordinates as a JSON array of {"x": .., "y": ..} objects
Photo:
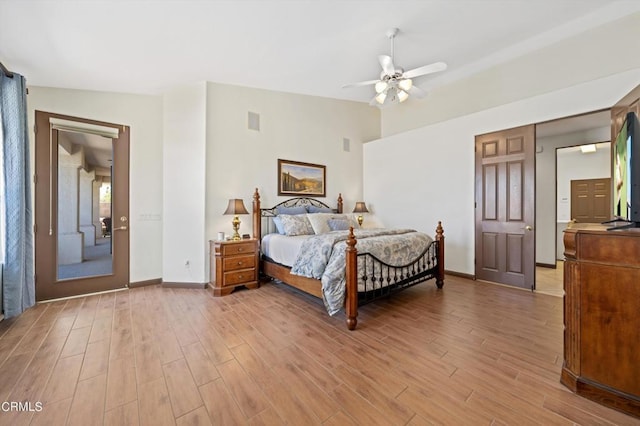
[
  {"x": 472, "y": 353},
  {"x": 549, "y": 280}
]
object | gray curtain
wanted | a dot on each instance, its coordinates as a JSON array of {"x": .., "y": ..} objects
[{"x": 18, "y": 280}]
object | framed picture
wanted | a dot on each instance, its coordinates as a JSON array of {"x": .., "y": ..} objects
[{"x": 296, "y": 178}]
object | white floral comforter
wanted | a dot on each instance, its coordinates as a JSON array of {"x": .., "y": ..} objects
[{"x": 323, "y": 257}]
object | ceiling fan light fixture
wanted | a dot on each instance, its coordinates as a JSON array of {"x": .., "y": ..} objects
[
  {"x": 381, "y": 86},
  {"x": 406, "y": 84},
  {"x": 395, "y": 85}
]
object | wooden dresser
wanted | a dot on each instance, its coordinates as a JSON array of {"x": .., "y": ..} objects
[
  {"x": 233, "y": 264},
  {"x": 602, "y": 315}
]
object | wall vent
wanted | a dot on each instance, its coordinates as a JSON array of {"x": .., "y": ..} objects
[{"x": 254, "y": 121}]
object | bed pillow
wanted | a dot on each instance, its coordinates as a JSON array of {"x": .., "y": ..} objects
[
  {"x": 279, "y": 226},
  {"x": 339, "y": 224},
  {"x": 296, "y": 224},
  {"x": 320, "y": 221},
  {"x": 371, "y": 222},
  {"x": 291, "y": 210},
  {"x": 315, "y": 209}
]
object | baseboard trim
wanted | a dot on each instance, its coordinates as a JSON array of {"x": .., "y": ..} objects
[
  {"x": 82, "y": 295},
  {"x": 199, "y": 286},
  {"x": 546, "y": 265},
  {"x": 459, "y": 274},
  {"x": 145, "y": 283}
]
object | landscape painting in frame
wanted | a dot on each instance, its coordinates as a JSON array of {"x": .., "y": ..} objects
[{"x": 296, "y": 178}]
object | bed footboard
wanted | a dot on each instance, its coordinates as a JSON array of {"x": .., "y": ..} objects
[{"x": 380, "y": 279}]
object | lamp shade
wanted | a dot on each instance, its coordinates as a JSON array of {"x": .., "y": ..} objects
[
  {"x": 236, "y": 206},
  {"x": 360, "y": 207}
]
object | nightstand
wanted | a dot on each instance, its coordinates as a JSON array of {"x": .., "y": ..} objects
[{"x": 233, "y": 264}]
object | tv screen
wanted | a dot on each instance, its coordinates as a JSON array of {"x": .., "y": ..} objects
[{"x": 626, "y": 171}]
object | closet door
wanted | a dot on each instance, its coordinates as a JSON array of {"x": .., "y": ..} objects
[{"x": 505, "y": 207}]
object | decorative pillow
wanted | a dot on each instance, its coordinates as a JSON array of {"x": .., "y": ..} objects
[
  {"x": 291, "y": 210},
  {"x": 320, "y": 221},
  {"x": 339, "y": 224},
  {"x": 279, "y": 226},
  {"x": 296, "y": 225},
  {"x": 315, "y": 209}
]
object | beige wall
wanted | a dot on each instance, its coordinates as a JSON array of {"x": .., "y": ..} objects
[
  {"x": 184, "y": 171},
  {"x": 144, "y": 114},
  {"x": 292, "y": 127}
]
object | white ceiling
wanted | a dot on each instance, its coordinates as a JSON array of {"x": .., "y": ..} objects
[{"x": 310, "y": 47}]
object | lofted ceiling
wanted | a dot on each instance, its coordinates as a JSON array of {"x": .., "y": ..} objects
[{"x": 310, "y": 47}]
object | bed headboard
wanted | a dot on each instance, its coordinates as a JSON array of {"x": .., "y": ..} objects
[{"x": 263, "y": 218}]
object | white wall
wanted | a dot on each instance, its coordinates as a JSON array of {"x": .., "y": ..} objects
[
  {"x": 421, "y": 176},
  {"x": 573, "y": 165},
  {"x": 184, "y": 153},
  {"x": 292, "y": 127},
  {"x": 144, "y": 114},
  {"x": 546, "y": 234}
]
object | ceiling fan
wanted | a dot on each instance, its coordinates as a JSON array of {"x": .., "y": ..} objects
[{"x": 395, "y": 85}]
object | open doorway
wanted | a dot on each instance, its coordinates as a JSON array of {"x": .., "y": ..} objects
[{"x": 559, "y": 160}]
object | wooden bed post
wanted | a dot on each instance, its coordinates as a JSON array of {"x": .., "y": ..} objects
[
  {"x": 440, "y": 240},
  {"x": 339, "y": 209},
  {"x": 351, "y": 300},
  {"x": 257, "y": 220}
]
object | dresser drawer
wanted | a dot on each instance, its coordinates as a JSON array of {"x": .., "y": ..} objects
[
  {"x": 239, "y": 262},
  {"x": 238, "y": 248},
  {"x": 239, "y": 277}
]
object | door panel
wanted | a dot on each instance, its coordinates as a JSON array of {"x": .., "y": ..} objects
[
  {"x": 505, "y": 190},
  {"x": 67, "y": 228},
  {"x": 591, "y": 200}
]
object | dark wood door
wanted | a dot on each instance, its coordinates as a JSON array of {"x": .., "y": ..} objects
[
  {"x": 505, "y": 207},
  {"x": 50, "y": 200},
  {"x": 591, "y": 200}
]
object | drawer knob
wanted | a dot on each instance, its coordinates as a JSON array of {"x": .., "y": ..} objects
[
  {"x": 240, "y": 249},
  {"x": 239, "y": 263}
]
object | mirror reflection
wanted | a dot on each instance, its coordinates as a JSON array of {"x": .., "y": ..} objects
[{"x": 84, "y": 205}]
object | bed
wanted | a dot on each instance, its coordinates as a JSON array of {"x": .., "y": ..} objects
[{"x": 352, "y": 277}]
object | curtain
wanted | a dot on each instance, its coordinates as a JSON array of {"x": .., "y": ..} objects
[{"x": 18, "y": 280}]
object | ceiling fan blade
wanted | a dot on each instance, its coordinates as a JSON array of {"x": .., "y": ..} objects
[
  {"x": 387, "y": 64},
  {"x": 360, "y": 83},
  {"x": 427, "y": 69},
  {"x": 417, "y": 92}
]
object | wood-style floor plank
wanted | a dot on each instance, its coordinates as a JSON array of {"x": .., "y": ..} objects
[
  {"x": 87, "y": 407},
  {"x": 182, "y": 388},
  {"x": 471, "y": 353},
  {"x": 123, "y": 415}
]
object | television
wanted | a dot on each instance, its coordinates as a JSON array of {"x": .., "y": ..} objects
[{"x": 626, "y": 174}]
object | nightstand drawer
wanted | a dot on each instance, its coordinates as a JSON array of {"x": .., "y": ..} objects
[
  {"x": 239, "y": 262},
  {"x": 238, "y": 248},
  {"x": 239, "y": 277}
]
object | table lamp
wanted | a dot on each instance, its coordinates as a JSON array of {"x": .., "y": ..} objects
[
  {"x": 360, "y": 208},
  {"x": 236, "y": 207}
]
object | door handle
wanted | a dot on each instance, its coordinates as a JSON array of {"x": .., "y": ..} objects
[
  {"x": 528, "y": 228},
  {"x": 120, "y": 228}
]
